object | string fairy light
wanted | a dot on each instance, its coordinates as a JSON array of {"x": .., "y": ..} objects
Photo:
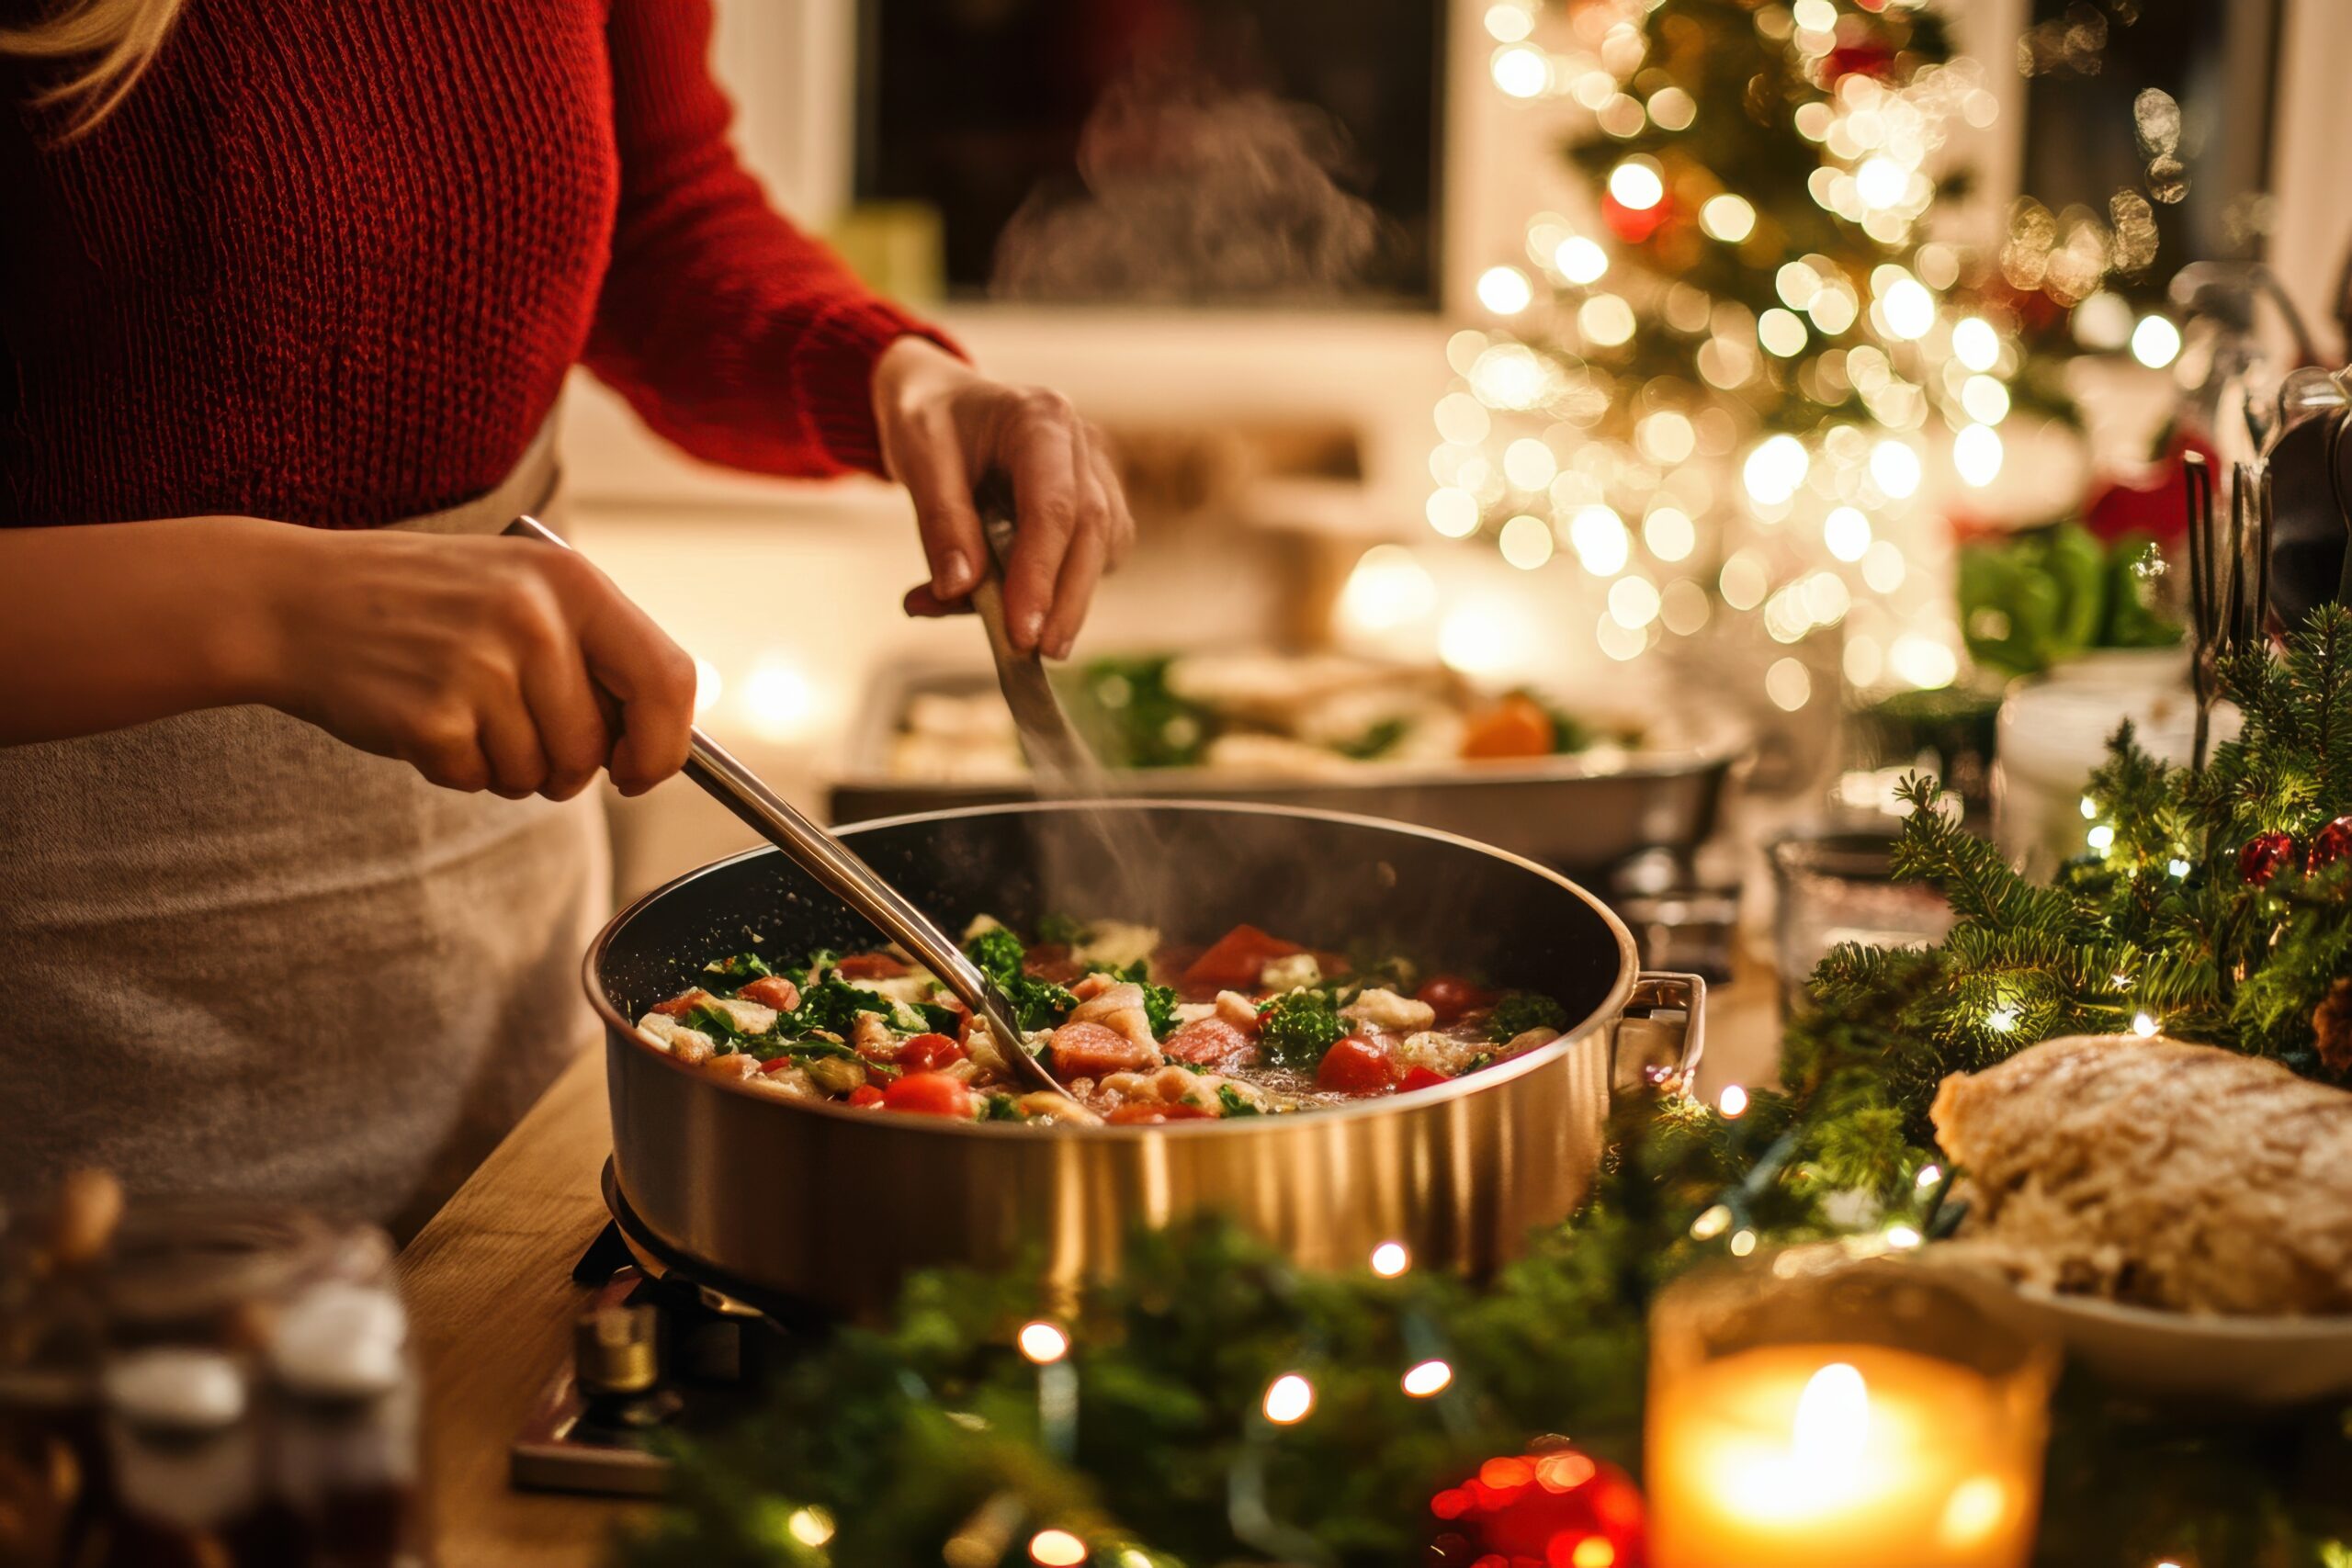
[
  {"x": 1290, "y": 1399},
  {"x": 1043, "y": 1342},
  {"x": 1057, "y": 1549},
  {"x": 1427, "y": 1379}
]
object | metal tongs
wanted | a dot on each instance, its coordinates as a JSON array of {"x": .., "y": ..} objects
[{"x": 846, "y": 876}]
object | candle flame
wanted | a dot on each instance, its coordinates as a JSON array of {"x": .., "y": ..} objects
[{"x": 1833, "y": 1417}]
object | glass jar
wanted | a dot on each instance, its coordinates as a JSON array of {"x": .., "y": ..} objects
[
  {"x": 186, "y": 1445},
  {"x": 1840, "y": 886},
  {"x": 346, "y": 1462},
  {"x": 137, "y": 1336}
]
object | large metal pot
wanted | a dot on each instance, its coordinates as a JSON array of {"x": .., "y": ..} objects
[{"x": 784, "y": 1202}]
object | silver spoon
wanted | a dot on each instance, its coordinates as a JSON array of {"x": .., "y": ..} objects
[{"x": 847, "y": 877}]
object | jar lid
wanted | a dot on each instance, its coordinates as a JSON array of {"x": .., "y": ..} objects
[
  {"x": 175, "y": 1387},
  {"x": 341, "y": 1340}
]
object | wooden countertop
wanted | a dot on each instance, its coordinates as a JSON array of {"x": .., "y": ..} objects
[{"x": 491, "y": 1300}]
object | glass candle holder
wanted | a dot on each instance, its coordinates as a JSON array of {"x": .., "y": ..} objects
[
  {"x": 1808, "y": 1410},
  {"x": 1840, "y": 886}
]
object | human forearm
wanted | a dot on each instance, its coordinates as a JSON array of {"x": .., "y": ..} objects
[
  {"x": 489, "y": 663},
  {"x": 730, "y": 332},
  {"x": 111, "y": 625}
]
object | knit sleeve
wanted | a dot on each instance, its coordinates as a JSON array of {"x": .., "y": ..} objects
[{"x": 730, "y": 333}]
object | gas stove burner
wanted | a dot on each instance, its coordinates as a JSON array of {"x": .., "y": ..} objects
[
  {"x": 628, "y": 1240},
  {"x": 712, "y": 1352}
]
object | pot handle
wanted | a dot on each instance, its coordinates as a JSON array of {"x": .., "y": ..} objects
[{"x": 1661, "y": 1034}]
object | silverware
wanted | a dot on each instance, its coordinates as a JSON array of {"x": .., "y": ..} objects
[
  {"x": 1057, "y": 754},
  {"x": 844, "y": 875}
]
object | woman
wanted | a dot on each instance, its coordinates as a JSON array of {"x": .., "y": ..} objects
[{"x": 297, "y": 854}]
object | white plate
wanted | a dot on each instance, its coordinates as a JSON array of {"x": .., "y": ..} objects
[{"x": 2175, "y": 1354}]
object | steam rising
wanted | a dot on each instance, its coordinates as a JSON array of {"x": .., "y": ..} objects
[
  {"x": 1190, "y": 193},
  {"x": 1193, "y": 193}
]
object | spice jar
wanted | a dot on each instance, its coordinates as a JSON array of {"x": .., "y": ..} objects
[
  {"x": 186, "y": 1456},
  {"x": 346, "y": 1454}
]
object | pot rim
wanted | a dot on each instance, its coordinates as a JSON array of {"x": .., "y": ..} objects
[{"x": 1609, "y": 1008}]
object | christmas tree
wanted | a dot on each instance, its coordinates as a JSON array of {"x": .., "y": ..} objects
[{"x": 1740, "y": 387}]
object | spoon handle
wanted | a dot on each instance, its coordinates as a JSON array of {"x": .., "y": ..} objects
[{"x": 844, "y": 875}]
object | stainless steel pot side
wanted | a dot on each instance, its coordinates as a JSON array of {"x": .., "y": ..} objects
[{"x": 820, "y": 1205}]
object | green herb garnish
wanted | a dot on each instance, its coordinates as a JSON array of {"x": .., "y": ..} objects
[
  {"x": 1295, "y": 1028},
  {"x": 738, "y": 968},
  {"x": 1230, "y": 1101}
]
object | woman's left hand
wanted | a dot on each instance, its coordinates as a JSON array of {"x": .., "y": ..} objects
[{"x": 944, "y": 424}]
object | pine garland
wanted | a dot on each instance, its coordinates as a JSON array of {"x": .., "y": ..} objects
[{"x": 895, "y": 1445}]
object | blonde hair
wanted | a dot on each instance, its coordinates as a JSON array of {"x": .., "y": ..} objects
[{"x": 110, "y": 43}]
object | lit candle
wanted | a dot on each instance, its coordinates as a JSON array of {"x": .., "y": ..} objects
[{"x": 1840, "y": 1456}]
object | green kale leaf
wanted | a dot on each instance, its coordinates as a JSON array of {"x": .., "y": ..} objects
[
  {"x": 738, "y": 968},
  {"x": 997, "y": 953},
  {"x": 1295, "y": 1028}
]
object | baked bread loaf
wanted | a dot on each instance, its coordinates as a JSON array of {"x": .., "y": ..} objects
[{"x": 2156, "y": 1172}]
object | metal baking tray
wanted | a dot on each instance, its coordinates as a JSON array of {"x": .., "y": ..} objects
[{"x": 1575, "y": 813}]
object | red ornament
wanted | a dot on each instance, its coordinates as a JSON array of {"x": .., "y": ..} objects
[
  {"x": 1635, "y": 224},
  {"x": 1870, "y": 57},
  {"x": 2152, "y": 500},
  {"x": 1558, "y": 1508},
  {"x": 2330, "y": 844},
  {"x": 2262, "y": 856}
]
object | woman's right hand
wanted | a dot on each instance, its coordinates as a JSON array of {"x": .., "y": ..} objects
[{"x": 489, "y": 663}]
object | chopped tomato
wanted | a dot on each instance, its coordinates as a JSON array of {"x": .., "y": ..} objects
[
  {"x": 1210, "y": 1041},
  {"x": 863, "y": 1095},
  {"x": 929, "y": 1053},
  {"x": 1357, "y": 1065},
  {"x": 776, "y": 1064},
  {"x": 1092, "y": 1051},
  {"x": 1417, "y": 1077},
  {"x": 771, "y": 991},
  {"x": 1233, "y": 963},
  {"x": 869, "y": 966},
  {"x": 1451, "y": 996},
  {"x": 1148, "y": 1114},
  {"x": 685, "y": 1002},
  {"x": 928, "y": 1094},
  {"x": 1515, "y": 726}
]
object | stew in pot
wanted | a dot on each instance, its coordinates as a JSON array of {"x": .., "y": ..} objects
[{"x": 1136, "y": 1030}]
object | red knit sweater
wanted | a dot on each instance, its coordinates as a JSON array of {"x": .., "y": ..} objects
[{"x": 331, "y": 259}]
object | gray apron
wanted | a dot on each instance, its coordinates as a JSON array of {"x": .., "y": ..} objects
[{"x": 240, "y": 957}]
